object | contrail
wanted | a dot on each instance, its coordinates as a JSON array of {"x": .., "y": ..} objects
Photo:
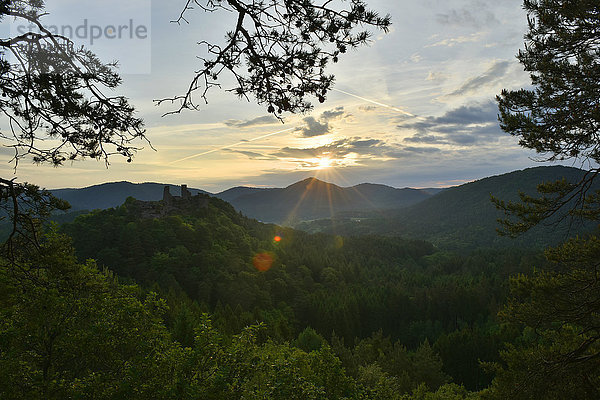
[
  {"x": 376, "y": 102},
  {"x": 231, "y": 145}
]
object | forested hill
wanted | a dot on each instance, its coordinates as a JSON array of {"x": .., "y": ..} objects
[
  {"x": 311, "y": 199},
  {"x": 305, "y": 200},
  {"x": 464, "y": 216},
  {"x": 113, "y": 194},
  {"x": 390, "y": 301}
]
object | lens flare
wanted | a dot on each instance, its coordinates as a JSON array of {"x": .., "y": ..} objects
[
  {"x": 277, "y": 238},
  {"x": 263, "y": 261}
]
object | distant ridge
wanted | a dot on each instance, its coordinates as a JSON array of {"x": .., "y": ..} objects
[
  {"x": 305, "y": 200},
  {"x": 308, "y": 199},
  {"x": 464, "y": 216},
  {"x": 230, "y": 195},
  {"x": 113, "y": 194},
  {"x": 312, "y": 198}
]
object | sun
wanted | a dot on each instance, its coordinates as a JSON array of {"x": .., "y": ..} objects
[{"x": 323, "y": 162}]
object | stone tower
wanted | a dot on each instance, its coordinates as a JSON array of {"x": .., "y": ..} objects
[
  {"x": 167, "y": 198},
  {"x": 185, "y": 193}
]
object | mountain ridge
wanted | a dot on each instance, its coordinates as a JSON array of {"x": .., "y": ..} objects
[
  {"x": 319, "y": 198},
  {"x": 463, "y": 216}
]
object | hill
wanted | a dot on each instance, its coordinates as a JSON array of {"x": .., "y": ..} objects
[
  {"x": 305, "y": 200},
  {"x": 108, "y": 195},
  {"x": 463, "y": 216},
  {"x": 230, "y": 195},
  {"x": 213, "y": 259},
  {"x": 312, "y": 199}
]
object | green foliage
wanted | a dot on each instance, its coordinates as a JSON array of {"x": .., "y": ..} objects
[
  {"x": 559, "y": 359},
  {"x": 202, "y": 261},
  {"x": 70, "y": 331},
  {"x": 557, "y": 355},
  {"x": 309, "y": 340},
  {"x": 559, "y": 116},
  {"x": 446, "y": 392}
]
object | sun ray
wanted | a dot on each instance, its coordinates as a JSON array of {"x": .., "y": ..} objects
[{"x": 292, "y": 213}]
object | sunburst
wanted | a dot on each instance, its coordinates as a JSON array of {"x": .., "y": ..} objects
[{"x": 324, "y": 163}]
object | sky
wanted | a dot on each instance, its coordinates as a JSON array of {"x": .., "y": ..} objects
[{"x": 415, "y": 108}]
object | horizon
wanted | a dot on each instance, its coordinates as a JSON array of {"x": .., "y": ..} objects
[
  {"x": 244, "y": 186},
  {"x": 414, "y": 109},
  {"x": 301, "y": 180}
]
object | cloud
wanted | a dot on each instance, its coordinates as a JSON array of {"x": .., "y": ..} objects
[
  {"x": 426, "y": 139},
  {"x": 367, "y": 108},
  {"x": 332, "y": 114},
  {"x": 364, "y": 143},
  {"x": 364, "y": 151},
  {"x": 465, "y": 126},
  {"x": 319, "y": 127},
  {"x": 264, "y": 120},
  {"x": 416, "y": 58},
  {"x": 314, "y": 128},
  {"x": 337, "y": 149},
  {"x": 472, "y": 114},
  {"x": 250, "y": 154},
  {"x": 489, "y": 77},
  {"x": 436, "y": 76},
  {"x": 451, "y": 42},
  {"x": 466, "y": 17},
  {"x": 411, "y": 152}
]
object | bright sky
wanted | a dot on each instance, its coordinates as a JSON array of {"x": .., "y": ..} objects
[{"x": 416, "y": 108}]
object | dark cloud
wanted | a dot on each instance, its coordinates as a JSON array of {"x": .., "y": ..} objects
[
  {"x": 367, "y": 108},
  {"x": 472, "y": 114},
  {"x": 339, "y": 148},
  {"x": 477, "y": 17},
  {"x": 421, "y": 150},
  {"x": 367, "y": 149},
  {"x": 290, "y": 152},
  {"x": 314, "y": 128},
  {"x": 362, "y": 143},
  {"x": 264, "y": 120},
  {"x": 318, "y": 127},
  {"x": 465, "y": 125},
  {"x": 426, "y": 139},
  {"x": 489, "y": 77},
  {"x": 332, "y": 114},
  {"x": 411, "y": 152},
  {"x": 253, "y": 155}
]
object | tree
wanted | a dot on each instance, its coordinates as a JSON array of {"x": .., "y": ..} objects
[
  {"x": 54, "y": 96},
  {"x": 26, "y": 207},
  {"x": 557, "y": 357},
  {"x": 278, "y": 50},
  {"x": 560, "y": 116},
  {"x": 71, "y": 331}
]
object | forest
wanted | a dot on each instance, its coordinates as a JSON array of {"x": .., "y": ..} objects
[
  {"x": 398, "y": 317},
  {"x": 203, "y": 302}
]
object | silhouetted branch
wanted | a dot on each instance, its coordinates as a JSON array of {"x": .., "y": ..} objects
[{"x": 279, "y": 50}]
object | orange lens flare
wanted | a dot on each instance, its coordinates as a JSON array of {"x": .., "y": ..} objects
[
  {"x": 277, "y": 239},
  {"x": 263, "y": 261}
]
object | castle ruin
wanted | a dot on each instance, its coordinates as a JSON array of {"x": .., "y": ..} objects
[
  {"x": 173, "y": 204},
  {"x": 169, "y": 199}
]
